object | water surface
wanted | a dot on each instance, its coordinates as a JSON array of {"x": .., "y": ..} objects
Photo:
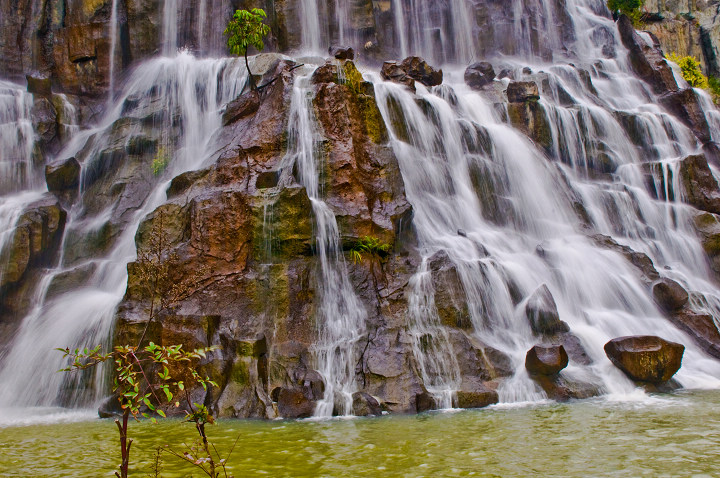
[{"x": 676, "y": 435}]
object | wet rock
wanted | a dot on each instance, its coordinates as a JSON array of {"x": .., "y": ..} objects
[
  {"x": 574, "y": 348},
  {"x": 474, "y": 394},
  {"x": 294, "y": 403},
  {"x": 522, "y": 91},
  {"x": 640, "y": 260},
  {"x": 685, "y": 105},
  {"x": 182, "y": 182},
  {"x": 562, "y": 389},
  {"x": 701, "y": 328},
  {"x": 342, "y": 52},
  {"x": 645, "y": 358},
  {"x": 240, "y": 107},
  {"x": 418, "y": 69},
  {"x": 707, "y": 226},
  {"x": 63, "y": 176},
  {"x": 39, "y": 85},
  {"x": 365, "y": 405},
  {"x": 477, "y": 360},
  {"x": 546, "y": 359},
  {"x": 424, "y": 401},
  {"x": 670, "y": 295},
  {"x": 479, "y": 75},
  {"x": 646, "y": 60},
  {"x": 450, "y": 299},
  {"x": 391, "y": 71},
  {"x": 110, "y": 408},
  {"x": 701, "y": 188},
  {"x": 542, "y": 313},
  {"x": 35, "y": 240}
]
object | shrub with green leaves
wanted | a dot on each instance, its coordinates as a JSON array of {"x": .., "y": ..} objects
[
  {"x": 691, "y": 70},
  {"x": 370, "y": 245},
  {"x": 631, "y": 8},
  {"x": 245, "y": 30}
]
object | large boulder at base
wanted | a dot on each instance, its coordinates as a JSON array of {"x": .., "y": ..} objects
[
  {"x": 562, "y": 389},
  {"x": 365, "y": 405},
  {"x": 294, "y": 403},
  {"x": 701, "y": 188},
  {"x": 542, "y": 313},
  {"x": 424, "y": 401},
  {"x": 546, "y": 359},
  {"x": 669, "y": 295},
  {"x": 474, "y": 394},
  {"x": 645, "y": 59},
  {"x": 522, "y": 91},
  {"x": 418, "y": 69},
  {"x": 479, "y": 75},
  {"x": 701, "y": 328},
  {"x": 645, "y": 358}
]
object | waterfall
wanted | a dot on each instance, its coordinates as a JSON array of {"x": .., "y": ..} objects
[
  {"x": 113, "y": 44},
  {"x": 596, "y": 291},
  {"x": 340, "y": 315},
  {"x": 195, "y": 90},
  {"x": 17, "y": 138},
  {"x": 310, "y": 22},
  {"x": 170, "y": 28}
]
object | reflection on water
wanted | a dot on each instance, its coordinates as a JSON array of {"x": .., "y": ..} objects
[{"x": 677, "y": 435}]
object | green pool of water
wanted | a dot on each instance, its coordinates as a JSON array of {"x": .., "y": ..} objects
[{"x": 676, "y": 435}]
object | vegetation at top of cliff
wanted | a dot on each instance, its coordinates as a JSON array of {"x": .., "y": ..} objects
[
  {"x": 631, "y": 8},
  {"x": 245, "y": 30}
]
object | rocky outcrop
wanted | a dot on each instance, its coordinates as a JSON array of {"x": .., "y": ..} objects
[
  {"x": 645, "y": 358},
  {"x": 646, "y": 60},
  {"x": 669, "y": 295},
  {"x": 411, "y": 69}
]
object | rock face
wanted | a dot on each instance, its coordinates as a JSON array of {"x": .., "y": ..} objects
[
  {"x": 546, "y": 359},
  {"x": 701, "y": 188},
  {"x": 527, "y": 114},
  {"x": 645, "y": 358}
]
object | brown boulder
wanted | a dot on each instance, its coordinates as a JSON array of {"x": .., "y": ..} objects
[
  {"x": 242, "y": 106},
  {"x": 670, "y": 295},
  {"x": 645, "y": 358},
  {"x": 63, "y": 176},
  {"x": 562, "y": 389},
  {"x": 342, "y": 52},
  {"x": 546, "y": 359}
]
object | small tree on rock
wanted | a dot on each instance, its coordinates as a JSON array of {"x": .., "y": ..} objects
[{"x": 247, "y": 29}]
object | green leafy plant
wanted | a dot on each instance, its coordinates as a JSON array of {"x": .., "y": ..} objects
[
  {"x": 714, "y": 86},
  {"x": 160, "y": 161},
  {"x": 631, "y": 8},
  {"x": 370, "y": 245},
  {"x": 245, "y": 30},
  {"x": 691, "y": 70},
  {"x": 148, "y": 378}
]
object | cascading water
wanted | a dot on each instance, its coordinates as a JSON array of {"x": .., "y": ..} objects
[
  {"x": 113, "y": 45},
  {"x": 596, "y": 292},
  {"x": 194, "y": 90},
  {"x": 340, "y": 315},
  {"x": 16, "y": 138}
]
